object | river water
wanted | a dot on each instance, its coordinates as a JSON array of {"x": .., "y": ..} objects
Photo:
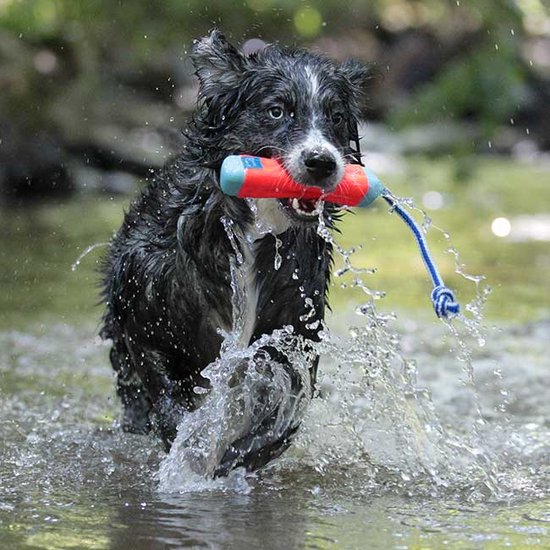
[
  {"x": 414, "y": 456},
  {"x": 423, "y": 434}
]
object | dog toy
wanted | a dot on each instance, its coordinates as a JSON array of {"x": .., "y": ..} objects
[
  {"x": 260, "y": 178},
  {"x": 256, "y": 177}
]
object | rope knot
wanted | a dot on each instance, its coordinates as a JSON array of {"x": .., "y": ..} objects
[{"x": 444, "y": 301}]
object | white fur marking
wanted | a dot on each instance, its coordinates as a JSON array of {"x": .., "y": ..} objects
[
  {"x": 313, "y": 82},
  {"x": 250, "y": 292},
  {"x": 315, "y": 141},
  {"x": 268, "y": 218}
]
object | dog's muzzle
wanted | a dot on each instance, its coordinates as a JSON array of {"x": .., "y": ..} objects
[{"x": 320, "y": 165}]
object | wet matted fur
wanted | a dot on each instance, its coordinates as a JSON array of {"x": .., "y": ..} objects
[{"x": 167, "y": 278}]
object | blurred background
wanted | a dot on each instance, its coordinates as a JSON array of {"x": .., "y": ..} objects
[{"x": 93, "y": 95}]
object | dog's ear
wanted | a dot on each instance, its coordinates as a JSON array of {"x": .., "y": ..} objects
[
  {"x": 217, "y": 63},
  {"x": 356, "y": 72},
  {"x": 358, "y": 75}
]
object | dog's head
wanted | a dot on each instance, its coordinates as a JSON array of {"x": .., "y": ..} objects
[{"x": 293, "y": 105}]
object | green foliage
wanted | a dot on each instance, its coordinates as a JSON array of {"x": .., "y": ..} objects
[
  {"x": 488, "y": 85},
  {"x": 485, "y": 79},
  {"x": 166, "y": 22}
]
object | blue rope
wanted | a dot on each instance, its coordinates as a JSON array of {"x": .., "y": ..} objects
[{"x": 442, "y": 297}]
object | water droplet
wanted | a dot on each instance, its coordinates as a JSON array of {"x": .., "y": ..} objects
[
  {"x": 87, "y": 250},
  {"x": 278, "y": 258}
]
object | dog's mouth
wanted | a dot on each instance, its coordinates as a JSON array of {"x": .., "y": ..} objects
[{"x": 304, "y": 210}]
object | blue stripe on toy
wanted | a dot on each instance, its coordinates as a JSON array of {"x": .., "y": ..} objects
[
  {"x": 376, "y": 188},
  {"x": 233, "y": 173}
]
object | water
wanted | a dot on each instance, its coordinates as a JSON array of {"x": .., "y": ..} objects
[
  {"x": 71, "y": 479},
  {"x": 423, "y": 434}
]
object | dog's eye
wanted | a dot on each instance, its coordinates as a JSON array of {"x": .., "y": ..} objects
[
  {"x": 276, "y": 113},
  {"x": 337, "y": 118}
]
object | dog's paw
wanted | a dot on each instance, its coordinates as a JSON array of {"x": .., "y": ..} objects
[
  {"x": 135, "y": 420},
  {"x": 255, "y": 449}
]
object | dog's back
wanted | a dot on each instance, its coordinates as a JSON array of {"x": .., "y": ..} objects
[{"x": 184, "y": 247}]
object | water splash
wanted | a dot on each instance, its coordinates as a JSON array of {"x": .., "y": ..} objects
[
  {"x": 370, "y": 412},
  {"x": 348, "y": 268},
  {"x": 86, "y": 251},
  {"x": 394, "y": 422},
  {"x": 62, "y": 452},
  {"x": 228, "y": 225},
  {"x": 246, "y": 385}
]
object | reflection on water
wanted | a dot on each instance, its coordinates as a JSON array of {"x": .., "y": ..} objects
[
  {"x": 523, "y": 228},
  {"x": 70, "y": 479}
]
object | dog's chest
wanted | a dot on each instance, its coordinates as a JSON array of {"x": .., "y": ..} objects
[
  {"x": 255, "y": 242},
  {"x": 257, "y": 275}
]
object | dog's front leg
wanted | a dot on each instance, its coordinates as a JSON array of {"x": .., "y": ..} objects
[
  {"x": 272, "y": 394},
  {"x": 135, "y": 398},
  {"x": 169, "y": 387}
]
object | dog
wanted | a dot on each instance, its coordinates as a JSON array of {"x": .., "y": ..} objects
[{"x": 167, "y": 280}]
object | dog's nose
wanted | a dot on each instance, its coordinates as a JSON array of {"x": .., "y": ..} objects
[{"x": 319, "y": 164}]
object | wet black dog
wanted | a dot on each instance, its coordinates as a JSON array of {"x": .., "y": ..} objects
[{"x": 167, "y": 280}]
